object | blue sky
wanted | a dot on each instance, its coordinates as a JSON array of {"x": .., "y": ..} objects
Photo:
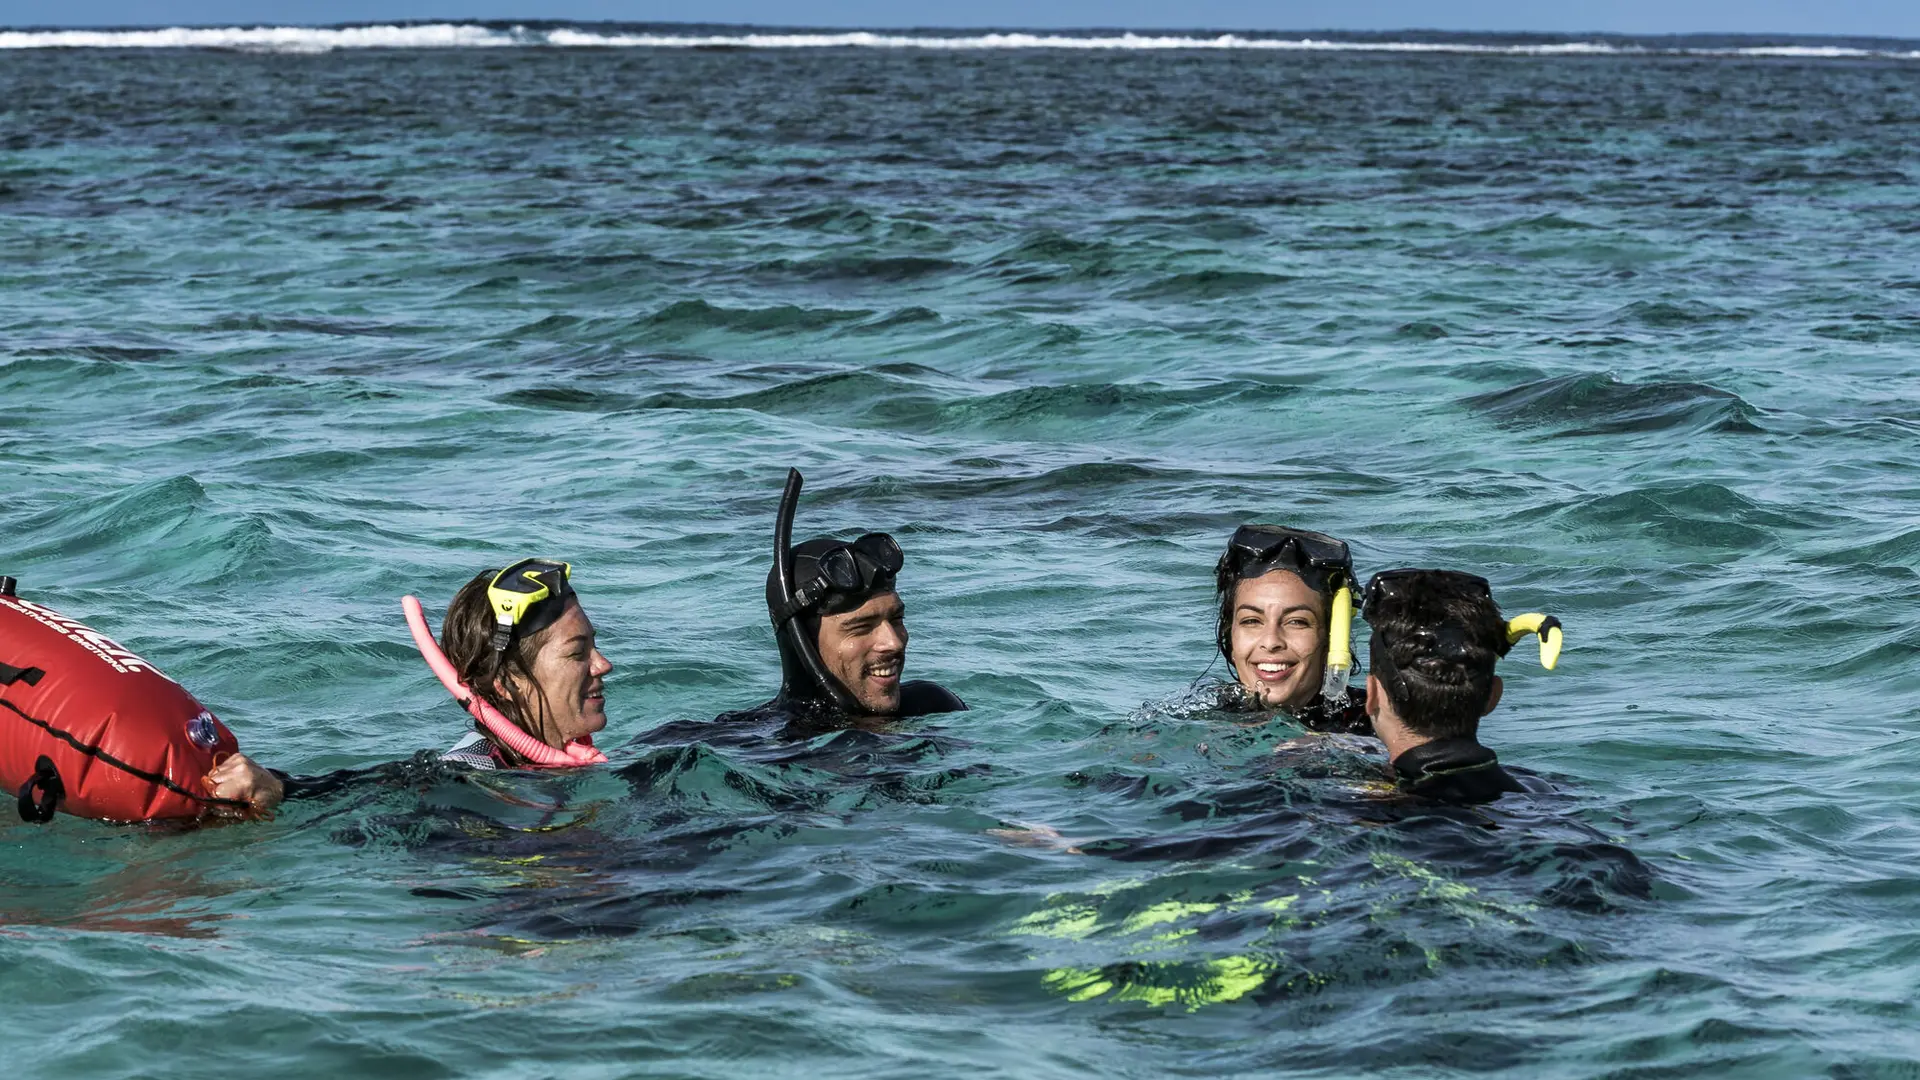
[{"x": 1899, "y": 18}]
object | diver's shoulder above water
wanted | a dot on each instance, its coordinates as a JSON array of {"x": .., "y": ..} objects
[
  {"x": 1458, "y": 771},
  {"x": 923, "y": 697}
]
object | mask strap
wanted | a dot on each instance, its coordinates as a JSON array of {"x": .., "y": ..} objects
[{"x": 1546, "y": 627}]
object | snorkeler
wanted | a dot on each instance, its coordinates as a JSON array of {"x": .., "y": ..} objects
[
  {"x": 1436, "y": 637},
  {"x": 841, "y": 628},
  {"x": 1285, "y": 624},
  {"x": 519, "y": 638},
  {"x": 522, "y": 633}
]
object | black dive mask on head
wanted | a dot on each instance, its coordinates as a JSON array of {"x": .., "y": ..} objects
[
  {"x": 1447, "y": 640},
  {"x": 810, "y": 581},
  {"x": 861, "y": 567},
  {"x": 1255, "y": 550},
  {"x": 1395, "y": 584}
]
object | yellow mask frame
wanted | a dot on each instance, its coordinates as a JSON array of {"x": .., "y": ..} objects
[{"x": 516, "y": 590}]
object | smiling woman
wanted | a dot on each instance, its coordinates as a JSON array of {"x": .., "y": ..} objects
[
  {"x": 519, "y": 642},
  {"x": 1280, "y": 592},
  {"x": 534, "y": 662}
]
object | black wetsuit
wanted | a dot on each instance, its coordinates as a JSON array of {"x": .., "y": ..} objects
[
  {"x": 786, "y": 719},
  {"x": 803, "y": 708},
  {"x": 423, "y": 767},
  {"x": 1460, "y": 772}
]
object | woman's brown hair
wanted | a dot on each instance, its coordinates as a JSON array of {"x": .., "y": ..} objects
[{"x": 467, "y": 638}]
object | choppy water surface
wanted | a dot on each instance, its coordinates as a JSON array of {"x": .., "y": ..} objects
[{"x": 288, "y": 335}]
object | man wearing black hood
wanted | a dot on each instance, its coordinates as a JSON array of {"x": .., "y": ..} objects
[{"x": 842, "y": 628}]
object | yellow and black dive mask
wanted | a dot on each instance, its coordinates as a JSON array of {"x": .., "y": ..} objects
[
  {"x": 527, "y": 597},
  {"x": 1394, "y": 584}
]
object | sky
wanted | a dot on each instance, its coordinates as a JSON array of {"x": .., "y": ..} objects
[{"x": 1893, "y": 18}]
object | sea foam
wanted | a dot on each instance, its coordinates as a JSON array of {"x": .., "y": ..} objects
[
  {"x": 268, "y": 38},
  {"x": 301, "y": 39}
]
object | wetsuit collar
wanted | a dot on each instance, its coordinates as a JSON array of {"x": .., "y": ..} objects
[{"x": 1453, "y": 770}]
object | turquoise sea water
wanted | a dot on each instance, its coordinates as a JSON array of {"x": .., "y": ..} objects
[{"x": 285, "y": 335}]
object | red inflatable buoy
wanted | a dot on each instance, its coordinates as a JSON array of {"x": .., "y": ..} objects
[{"x": 92, "y": 729}]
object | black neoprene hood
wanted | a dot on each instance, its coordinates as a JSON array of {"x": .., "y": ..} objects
[{"x": 803, "y": 677}]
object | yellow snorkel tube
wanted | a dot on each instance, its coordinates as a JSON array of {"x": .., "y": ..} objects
[
  {"x": 1333, "y": 686},
  {"x": 1548, "y": 629}
]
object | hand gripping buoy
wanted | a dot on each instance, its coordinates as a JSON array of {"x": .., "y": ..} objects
[{"x": 89, "y": 728}]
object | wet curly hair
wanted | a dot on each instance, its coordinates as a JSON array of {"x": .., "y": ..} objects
[{"x": 1434, "y": 646}]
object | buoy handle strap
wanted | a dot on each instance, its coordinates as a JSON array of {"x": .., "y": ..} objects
[
  {"x": 46, "y": 778},
  {"x": 502, "y": 730}
]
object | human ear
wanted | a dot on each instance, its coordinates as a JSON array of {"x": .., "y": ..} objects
[
  {"x": 1493, "y": 696},
  {"x": 1376, "y": 696},
  {"x": 507, "y": 683}
]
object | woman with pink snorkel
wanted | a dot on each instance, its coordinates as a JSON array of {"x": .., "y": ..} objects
[{"x": 519, "y": 654}]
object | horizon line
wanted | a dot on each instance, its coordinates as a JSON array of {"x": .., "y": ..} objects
[{"x": 508, "y": 22}]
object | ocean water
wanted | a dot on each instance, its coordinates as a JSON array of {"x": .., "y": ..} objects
[{"x": 289, "y": 329}]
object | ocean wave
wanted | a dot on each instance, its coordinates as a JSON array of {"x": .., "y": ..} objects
[
  {"x": 1701, "y": 519},
  {"x": 308, "y": 39},
  {"x": 1600, "y": 404},
  {"x": 167, "y": 525},
  {"x": 1106, "y": 403},
  {"x": 1208, "y": 285},
  {"x": 1022, "y": 40}
]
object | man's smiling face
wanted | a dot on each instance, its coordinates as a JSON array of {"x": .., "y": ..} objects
[{"x": 865, "y": 649}]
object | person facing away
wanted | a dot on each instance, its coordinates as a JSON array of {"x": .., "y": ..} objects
[
  {"x": 842, "y": 630},
  {"x": 1437, "y": 635},
  {"x": 1285, "y": 618},
  {"x": 542, "y": 671}
]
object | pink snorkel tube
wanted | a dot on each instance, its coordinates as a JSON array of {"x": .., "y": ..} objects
[{"x": 500, "y": 729}]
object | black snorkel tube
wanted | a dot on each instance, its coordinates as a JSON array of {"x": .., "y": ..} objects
[{"x": 791, "y": 629}]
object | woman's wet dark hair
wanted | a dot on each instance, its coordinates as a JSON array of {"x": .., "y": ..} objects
[
  {"x": 1433, "y": 649},
  {"x": 467, "y": 638}
]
